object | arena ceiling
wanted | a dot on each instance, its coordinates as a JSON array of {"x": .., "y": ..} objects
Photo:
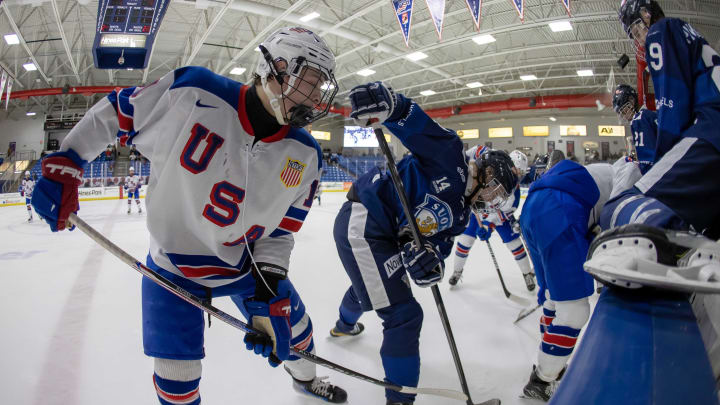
[{"x": 57, "y": 37}]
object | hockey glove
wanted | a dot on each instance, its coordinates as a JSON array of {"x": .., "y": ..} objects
[
  {"x": 424, "y": 265},
  {"x": 269, "y": 312},
  {"x": 372, "y": 101},
  {"x": 485, "y": 231},
  {"x": 56, "y": 192}
]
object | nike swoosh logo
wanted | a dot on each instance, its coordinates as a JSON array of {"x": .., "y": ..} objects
[{"x": 199, "y": 104}]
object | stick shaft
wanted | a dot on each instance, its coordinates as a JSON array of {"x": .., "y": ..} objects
[
  {"x": 234, "y": 322},
  {"x": 497, "y": 269},
  {"x": 417, "y": 237}
]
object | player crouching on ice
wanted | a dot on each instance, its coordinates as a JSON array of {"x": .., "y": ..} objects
[
  {"x": 502, "y": 220},
  {"x": 680, "y": 193},
  {"x": 233, "y": 177},
  {"x": 371, "y": 232},
  {"x": 561, "y": 210}
]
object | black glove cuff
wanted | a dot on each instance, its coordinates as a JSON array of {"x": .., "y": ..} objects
[{"x": 271, "y": 274}]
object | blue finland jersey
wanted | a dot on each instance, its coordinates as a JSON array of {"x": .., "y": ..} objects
[
  {"x": 686, "y": 75},
  {"x": 434, "y": 176},
  {"x": 644, "y": 131}
]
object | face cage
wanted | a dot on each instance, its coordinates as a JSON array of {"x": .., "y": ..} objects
[
  {"x": 638, "y": 33},
  {"x": 627, "y": 110},
  {"x": 490, "y": 197},
  {"x": 307, "y": 111}
]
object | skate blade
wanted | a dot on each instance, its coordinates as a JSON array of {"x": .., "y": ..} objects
[{"x": 654, "y": 274}]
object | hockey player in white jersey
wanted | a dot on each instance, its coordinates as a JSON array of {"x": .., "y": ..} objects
[
  {"x": 132, "y": 188},
  {"x": 26, "y": 190},
  {"x": 481, "y": 225},
  {"x": 234, "y": 175}
]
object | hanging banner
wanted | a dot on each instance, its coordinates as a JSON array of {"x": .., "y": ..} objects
[
  {"x": 520, "y": 7},
  {"x": 403, "y": 11},
  {"x": 9, "y": 89},
  {"x": 566, "y": 3},
  {"x": 437, "y": 13},
  {"x": 474, "y": 6},
  {"x": 3, "y": 79}
]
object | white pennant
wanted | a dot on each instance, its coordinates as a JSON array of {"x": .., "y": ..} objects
[{"x": 437, "y": 13}]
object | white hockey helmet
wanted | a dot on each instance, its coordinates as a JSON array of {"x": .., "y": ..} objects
[
  {"x": 520, "y": 160},
  {"x": 131, "y": 169},
  {"x": 301, "y": 50},
  {"x": 27, "y": 173}
]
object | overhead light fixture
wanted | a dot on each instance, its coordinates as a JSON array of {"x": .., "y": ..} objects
[
  {"x": 558, "y": 26},
  {"x": 326, "y": 86},
  {"x": 483, "y": 39},
  {"x": 416, "y": 56},
  {"x": 585, "y": 72},
  {"x": 309, "y": 17},
  {"x": 30, "y": 66},
  {"x": 366, "y": 72},
  {"x": 427, "y": 92},
  {"x": 553, "y": 119},
  {"x": 12, "y": 39},
  {"x": 479, "y": 92},
  {"x": 528, "y": 77},
  {"x": 238, "y": 71},
  {"x": 474, "y": 85},
  {"x": 257, "y": 49},
  {"x": 30, "y": 114}
]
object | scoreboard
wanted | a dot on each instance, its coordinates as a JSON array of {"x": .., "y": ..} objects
[{"x": 125, "y": 32}]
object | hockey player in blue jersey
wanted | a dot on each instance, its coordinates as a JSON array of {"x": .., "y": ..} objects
[
  {"x": 481, "y": 226},
  {"x": 371, "y": 231},
  {"x": 234, "y": 176},
  {"x": 679, "y": 192},
  {"x": 643, "y": 126},
  {"x": 561, "y": 209}
]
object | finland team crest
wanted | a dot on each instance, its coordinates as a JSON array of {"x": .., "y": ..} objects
[
  {"x": 292, "y": 173},
  {"x": 433, "y": 215}
]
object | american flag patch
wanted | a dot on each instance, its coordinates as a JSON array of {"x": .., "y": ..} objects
[{"x": 291, "y": 174}]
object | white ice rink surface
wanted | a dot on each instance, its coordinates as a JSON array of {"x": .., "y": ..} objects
[{"x": 71, "y": 322}]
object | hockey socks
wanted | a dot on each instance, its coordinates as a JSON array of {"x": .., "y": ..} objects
[{"x": 171, "y": 392}]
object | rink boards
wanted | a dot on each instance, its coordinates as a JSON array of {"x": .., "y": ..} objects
[{"x": 85, "y": 194}]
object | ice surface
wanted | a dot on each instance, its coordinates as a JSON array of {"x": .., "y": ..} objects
[{"x": 71, "y": 324}]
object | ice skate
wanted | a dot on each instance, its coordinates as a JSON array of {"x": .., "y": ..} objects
[
  {"x": 529, "y": 281},
  {"x": 356, "y": 330},
  {"x": 637, "y": 255},
  {"x": 538, "y": 388},
  {"x": 456, "y": 276},
  {"x": 321, "y": 389}
]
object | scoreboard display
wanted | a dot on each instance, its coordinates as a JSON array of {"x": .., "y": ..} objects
[{"x": 125, "y": 32}]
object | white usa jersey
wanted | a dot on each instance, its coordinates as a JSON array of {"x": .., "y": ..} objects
[
  {"x": 27, "y": 187},
  {"x": 132, "y": 182},
  {"x": 212, "y": 189}
]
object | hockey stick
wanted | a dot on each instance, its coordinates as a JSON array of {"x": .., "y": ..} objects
[
  {"x": 236, "y": 323},
  {"x": 512, "y": 297},
  {"x": 397, "y": 182},
  {"x": 526, "y": 312}
]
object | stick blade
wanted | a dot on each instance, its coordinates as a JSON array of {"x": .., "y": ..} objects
[
  {"x": 438, "y": 392},
  {"x": 526, "y": 312}
]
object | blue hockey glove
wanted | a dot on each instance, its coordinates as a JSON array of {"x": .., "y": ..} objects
[
  {"x": 424, "y": 265},
  {"x": 485, "y": 231},
  {"x": 372, "y": 101},
  {"x": 56, "y": 193},
  {"x": 269, "y": 312}
]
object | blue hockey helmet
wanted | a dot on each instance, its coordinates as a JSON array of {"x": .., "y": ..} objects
[
  {"x": 632, "y": 12},
  {"x": 496, "y": 180},
  {"x": 625, "y": 102}
]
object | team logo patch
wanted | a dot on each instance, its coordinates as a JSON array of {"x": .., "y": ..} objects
[
  {"x": 291, "y": 174},
  {"x": 433, "y": 215}
]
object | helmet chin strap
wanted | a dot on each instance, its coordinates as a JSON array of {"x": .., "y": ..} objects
[{"x": 274, "y": 102}]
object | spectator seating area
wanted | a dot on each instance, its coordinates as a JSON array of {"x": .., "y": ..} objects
[
  {"x": 333, "y": 173},
  {"x": 360, "y": 165}
]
